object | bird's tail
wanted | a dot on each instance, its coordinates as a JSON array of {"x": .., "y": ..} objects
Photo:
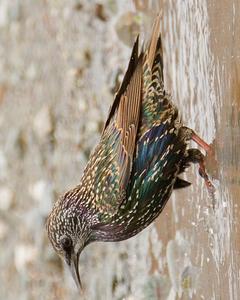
[{"x": 154, "y": 53}]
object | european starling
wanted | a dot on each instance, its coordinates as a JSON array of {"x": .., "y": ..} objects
[{"x": 134, "y": 168}]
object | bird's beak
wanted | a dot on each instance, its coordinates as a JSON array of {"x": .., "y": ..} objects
[{"x": 75, "y": 271}]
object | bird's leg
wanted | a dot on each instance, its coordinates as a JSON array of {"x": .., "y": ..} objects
[
  {"x": 201, "y": 142},
  {"x": 191, "y": 135}
]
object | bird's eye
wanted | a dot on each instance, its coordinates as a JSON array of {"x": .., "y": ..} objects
[{"x": 66, "y": 243}]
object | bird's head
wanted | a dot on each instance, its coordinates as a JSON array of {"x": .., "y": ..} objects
[{"x": 69, "y": 233}]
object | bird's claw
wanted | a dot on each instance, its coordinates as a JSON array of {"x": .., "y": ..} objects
[{"x": 210, "y": 187}]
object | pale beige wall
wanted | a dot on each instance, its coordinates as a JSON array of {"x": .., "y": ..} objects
[{"x": 59, "y": 61}]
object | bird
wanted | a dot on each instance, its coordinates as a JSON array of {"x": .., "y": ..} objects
[{"x": 138, "y": 162}]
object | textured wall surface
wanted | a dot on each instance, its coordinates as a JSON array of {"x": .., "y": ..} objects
[{"x": 60, "y": 63}]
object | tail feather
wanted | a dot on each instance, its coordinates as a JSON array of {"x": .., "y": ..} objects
[
  {"x": 158, "y": 60},
  {"x": 156, "y": 105},
  {"x": 154, "y": 42},
  {"x": 154, "y": 53}
]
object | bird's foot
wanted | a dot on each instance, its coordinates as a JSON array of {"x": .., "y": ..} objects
[
  {"x": 210, "y": 187},
  {"x": 204, "y": 175},
  {"x": 203, "y": 160},
  {"x": 196, "y": 156}
]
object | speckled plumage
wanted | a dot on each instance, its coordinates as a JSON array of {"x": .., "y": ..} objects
[{"x": 134, "y": 168}]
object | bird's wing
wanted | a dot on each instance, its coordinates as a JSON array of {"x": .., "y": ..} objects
[{"x": 110, "y": 165}]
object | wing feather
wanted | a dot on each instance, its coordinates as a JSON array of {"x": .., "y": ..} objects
[
  {"x": 128, "y": 75},
  {"x": 114, "y": 154},
  {"x": 126, "y": 122}
]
